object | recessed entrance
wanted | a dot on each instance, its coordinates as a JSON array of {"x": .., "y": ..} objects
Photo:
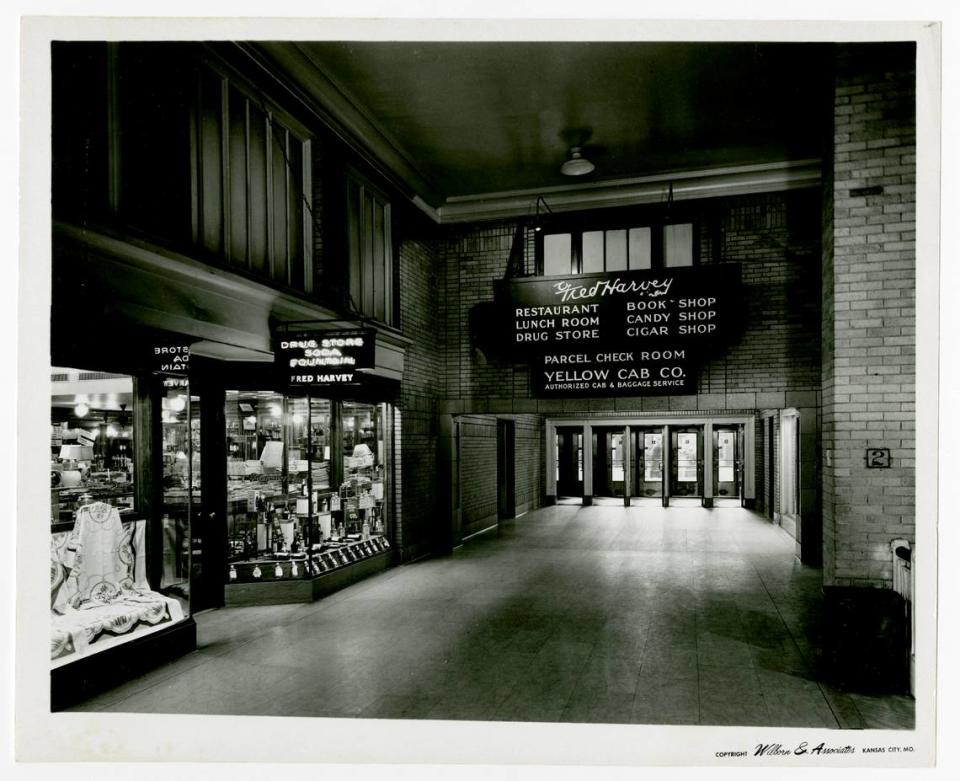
[{"x": 652, "y": 461}]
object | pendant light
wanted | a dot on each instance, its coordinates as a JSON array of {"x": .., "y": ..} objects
[{"x": 577, "y": 165}]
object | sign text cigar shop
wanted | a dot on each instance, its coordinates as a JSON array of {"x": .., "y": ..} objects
[{"x": 630, "y": 333}]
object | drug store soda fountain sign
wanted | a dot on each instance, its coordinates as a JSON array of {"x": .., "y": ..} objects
[
  {"x": 630, "y": 333},
  {"x": 324, "y": 358}
]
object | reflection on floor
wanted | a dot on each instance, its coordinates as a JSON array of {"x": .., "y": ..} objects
[{"x": 579, "y": 614}]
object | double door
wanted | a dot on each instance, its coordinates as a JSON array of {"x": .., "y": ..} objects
[{"x": 666, "y": 461}]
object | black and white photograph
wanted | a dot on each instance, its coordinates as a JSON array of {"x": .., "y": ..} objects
[{"x": 479, "y": 380}]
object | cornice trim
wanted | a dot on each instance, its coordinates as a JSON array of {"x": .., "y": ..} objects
[
  {"x": 687, "y": 185},
  {"x": 333, "y": 103}
]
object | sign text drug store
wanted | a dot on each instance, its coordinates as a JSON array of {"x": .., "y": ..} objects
[
  {"x": 324, "y": 358},
  {"x": 619, "y": 334}
]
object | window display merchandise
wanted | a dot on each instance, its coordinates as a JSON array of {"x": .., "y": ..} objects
[
  {"x": 99, "y": 593},
  {"x": 305, "y": 486}
]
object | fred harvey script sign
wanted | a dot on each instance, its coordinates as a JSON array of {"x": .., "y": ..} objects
[{"x": 619, "y": 334}]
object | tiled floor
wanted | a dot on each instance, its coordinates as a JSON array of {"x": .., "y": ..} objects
[{"x": 596, "y": 614}]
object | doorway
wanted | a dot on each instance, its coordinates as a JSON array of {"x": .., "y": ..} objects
[
  {"x": 609, "y": 466},
  {"x": 648, "y": 460},
  {"x": 728, "y": 463},
  {"x": 506, "y": 502},
  {"x": 686, "y": 462},
  {"x": 569, "y": 448}
]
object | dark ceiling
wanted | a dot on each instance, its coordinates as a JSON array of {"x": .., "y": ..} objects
[{"x": 491, "y": 117}]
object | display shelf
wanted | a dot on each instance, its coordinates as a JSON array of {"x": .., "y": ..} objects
[{"x": 294, "y": 590}]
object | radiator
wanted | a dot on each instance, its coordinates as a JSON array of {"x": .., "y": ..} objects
[{"x": 903, "y": 584}]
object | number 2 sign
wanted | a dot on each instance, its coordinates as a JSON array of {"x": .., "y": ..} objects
[{"x": 878, "y": 458}]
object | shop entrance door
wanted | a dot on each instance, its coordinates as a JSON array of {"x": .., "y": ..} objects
[
  {"x": 506, "y": 502},
  {"x": 569, "y": 443},
  {"x": 609, "y": 468},
  {"x": 686, "y": 462},
  {"x": 727, "y": 462},
  {"x": 648, "y": 471}
]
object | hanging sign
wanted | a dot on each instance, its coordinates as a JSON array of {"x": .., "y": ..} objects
[
  {"x": 324, "y": 358},
  {"x": 170, "y": 358},
  {"x": 629, "y": 333}
]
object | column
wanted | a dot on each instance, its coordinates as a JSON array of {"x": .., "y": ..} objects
[
  {"x": 587, "y": 464},
  {"x": 708, "y": 464}
]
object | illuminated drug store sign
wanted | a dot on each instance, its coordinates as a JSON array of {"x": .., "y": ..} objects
[
  {"x": 324, "y": 358},
  {"x": 170, "y": 358},
  {"x": 631, "y": 333}
]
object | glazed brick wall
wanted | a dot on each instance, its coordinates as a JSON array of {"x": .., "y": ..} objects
[
  {"x": 529, "y": 458},
  {"x": 775, "y": 362},
  {"x": 478, "y": 473},
  {"x": 869, "y": 286},
  {"x": 416, "y": 420}
]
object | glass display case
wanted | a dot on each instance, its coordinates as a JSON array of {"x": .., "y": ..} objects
[{"x": 305, "y": 489}]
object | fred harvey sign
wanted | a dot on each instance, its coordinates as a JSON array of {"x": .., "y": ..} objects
[
  {"x": 619, "y": 334},
  {"x": 324, "y": 358}
]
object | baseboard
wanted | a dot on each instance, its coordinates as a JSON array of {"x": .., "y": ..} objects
[{"x": 91, "y": 675}]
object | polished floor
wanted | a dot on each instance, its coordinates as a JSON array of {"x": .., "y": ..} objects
[{"x": 572, "y": 614}]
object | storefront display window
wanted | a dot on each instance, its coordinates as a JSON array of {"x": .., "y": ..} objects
[
  {"x": 91, "y": 441},
  {"x": 293, "y": 512},
  {"x": 99, "y": 593},
  {"x": 362, "y": 490}
]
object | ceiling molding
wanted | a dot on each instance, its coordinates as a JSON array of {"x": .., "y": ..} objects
[
  {"x": 332, "y": 102},
  {"x": 687, "y": 185}
]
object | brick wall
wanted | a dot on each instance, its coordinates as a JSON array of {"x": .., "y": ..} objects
[
  {"x": 773, "y": 364},
  {"x": 868, "y": 287},
  {"x": 529, "y": 460},
  {"x": 420, "y": 390},
  {"x": 478, "y": 473}
]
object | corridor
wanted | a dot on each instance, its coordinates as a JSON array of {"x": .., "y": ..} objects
[{"x": 572, "y": 614}]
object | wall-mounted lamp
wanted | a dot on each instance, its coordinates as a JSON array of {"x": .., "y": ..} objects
[{"x": 536, "y": 223}]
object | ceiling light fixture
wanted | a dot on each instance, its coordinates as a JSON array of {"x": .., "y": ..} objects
[
  {"x": 81, "y": 410},
  {"x": 577, "y": 165}
]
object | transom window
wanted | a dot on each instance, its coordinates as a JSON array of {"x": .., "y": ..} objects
[{"x": 622, "y": 248}]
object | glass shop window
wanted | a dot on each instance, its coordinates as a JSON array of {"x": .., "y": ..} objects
[
  {"x": 91, "y": 441},
  {"x": 99, "y": 593},
  {"x": 362, "y": 491},
  {"x": 287, "y": 515}
]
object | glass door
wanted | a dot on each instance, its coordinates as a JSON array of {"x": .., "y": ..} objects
[
  {"x": 182, "y": 572},
  {"x": 686, "y": 462},
  {"x": 569, "y": 476},
  {"x": 727, "y": 444},
  {"x": 648, "y": 447},
  {"x": 608, "y": 462}
]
